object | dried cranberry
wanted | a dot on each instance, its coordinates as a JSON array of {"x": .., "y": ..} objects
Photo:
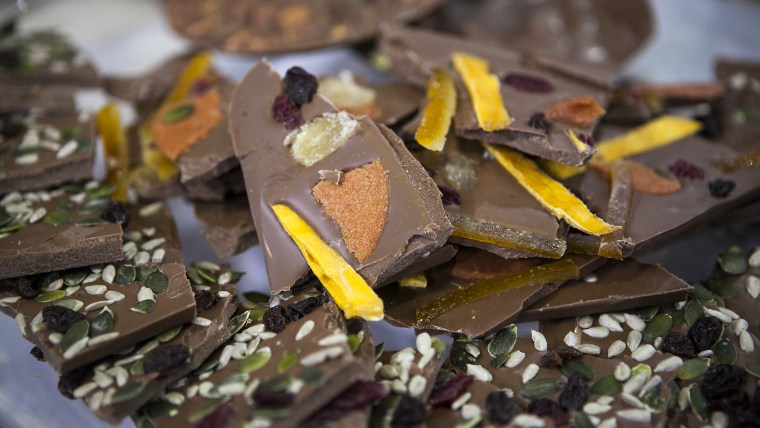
[
  {"x": 204, "y": 299},
  {"x": 275, "y": 319},
  {"x": 678, "y": 344},
  {"x": 357, "y": 396},
  {"x": 550, "y": 360},
  {"x": 219, "y": 418},
  {"x": 300, "y": 85},
  {"x": 587, "y": 139},
  {"x": 444, "y": 393},
  {"x": 60, "y": 319},
  {"x": 682, "y": 169},
  {"x": 26, "y": 286},
  {"x": 720, "y": 188},
  {"x": 449, "y": 196},
  {"x": 116, "y": 212},
  {"x": 722, "y": 380},
  {"x": 409, "y": 412},
  {"x": 528, "y": 83},
  {"x": 551, "y": 409},
  {"x": 286, "y": 112},
  {"x": 72, "y": 380},
  {"x": 576, "y": 392},
  {"x": 705, "y": 333},
  {"x": 265, "y": 397},
  {"x": 501, "y": 409},
  {"x": 539, "y": 121},
  {"x": 37, "y": 353},
  {"x": 166, "y": 360}
]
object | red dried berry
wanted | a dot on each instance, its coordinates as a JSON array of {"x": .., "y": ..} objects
[
  {"x": 678, "y": 344},
  {"x": 501, "y": 409},
  {"x": 275, "y": 319},
  {"x": 71, "y": 381},
  {"x": 409, "y": 412},
  {"x": 550, "y": 360},
  {"x": 722, "y": 380},
  {"x": 705, "y": 333},
  {"x": 219, "y": 418},
  {"x": 60, "y": 319},
  {"x": 200, "y": 86},
  {"x": 587, "y": 139},
  {"x": 682, "y": 169},
  {"x": 449, "y": 196},
  {"x": 540, "y": 122},
  {"x": 527, "y": 83},
  {"x": 444, "y": 393},
  {"x": 166, "y": 360},
  {"x": 551, "y": 409},
  {"x": 300, "y": 85},
  {"x": 720, "y": 188},
  {"x": 286, "y": 112},
  {"x": 576, "y": 392}
]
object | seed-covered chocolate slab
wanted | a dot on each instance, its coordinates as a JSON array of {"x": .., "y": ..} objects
[
  {"x": 228, "y": 227},
  {"x": 66, "y": 227},
  {"x": 80, "y": 315},
  {"x": 349, "y": 159},
  {"x": 119, "y": 385}
]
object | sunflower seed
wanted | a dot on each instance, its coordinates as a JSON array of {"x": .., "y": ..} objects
[
  {"x": 145, "y": 293},
  {"x": 529, "y": 372},
  {"x": 55, "y": 338},
  {"x": 635, "y": 322},
  {"x": 605, "y": 400},
  {"x": 754, "y": 258},
  {"x": 616, "y": 348},
  {"x": 224, "y": 278},
  {"x": 631, "y": 400},
  {"x": 515, "y": 358},
  {"x": 719, "y": 315},
  {"x": 651, "y": 383},
  {"x": 597, "y": 332},
  {"x": 102, "y": 379},
  {"x": 67, "y": 150},
  {"x": 332, "y": 339},
  {"x": 461, "y": 401},
  {"x": 141, "y": 258},
  {"x": 635, "y": 415},
  {"x": 114, "y": 295},
  {"x": 85, "y": 389},
  {"x": 739, "y": 326},
  {"x": 203, "y": 322},
  {"x": 472, "y": 349},
  {"x": 668, "y": 364},
  {"x": 426, "y": 358},
  {"x": 103, "y": 338},
  {"x": 590, "y": 278},
  {"x": 729, "y": 313},
  {"x": 38, "y": 214},
  {"x": 746, "y": 343},
  {"x": 97, "y": 305},
  {"x": 153, "y": 244},
  {"x": 479, "y": 372},
  {"x": 539, "y": 341},
  {"x": 27, "y": 159},
  {"x": 149, "y": 210},
  {"x": 417, "y": 385},
  {"x": 606, "y": 320},
  {"x": 589, "y": 349},
  {"x": 622, "y": 372},
  {"x": 96, "y": 290},
  {"x": 683, "y": 398},
  {"x": 707, "y": 353},
  {"x": 585, "y": 321},
  {"x": 643, "y": 353},
  {"x": 634, "y": 340},
  {"x": 6, "y": 301},
  {"x": 21, "y": 323},
  {"x": 158, "y": 256},
  {"x": 593, "y": 408},
  {"x": 719, "y": 419},
  {"x": 528, "y": 420},
  {"x": 109, "y": 273},
  {"x": 571, "y": 339}
]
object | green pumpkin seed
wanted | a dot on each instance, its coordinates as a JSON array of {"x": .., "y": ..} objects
[
  {"x": 461, "y": 337},
  {"x": 460, "y": 357},
  {"x": 50, "y": 296},
  {"x": 235, "y": 278},
  {"x": 76, "y": 332},
  {"x": 144, "y": 422},
  {"x": 73, "y": 304},
  {"x": 379, "y": 349},
  {"x": 694, "y": 311},
  {"x": 698, "y": 402},
  {"x": 606, "y": 386},
  {"x": 642, "y": 369},
  {"x": 169, "y": 334},
  {"x": 138, "y": 368},
  {"x": 254, "y": 361},
  {"x": 143, "y": 272},
  {"x": 581, "y": 420},
  {"x": 674, "y": 391},
  {"x": 733, "y": 262},
  {"x": 725, "y": 352},
  {"x": 257, "y": 314},
  {"x": 160, "y": 409},
  {"x": 678, "y": 317},
  {"x": 719, "y": 301},
  {"x": 353, "y": 342},
  {"x": 125, "y": 274},
  {"x": 540, "y": 388},
  {"x": 277, "y": 383},
  {"x": 128, "y": 391},
  {"x": 93, "y": 206},
  {"x": 659, "y": 326},
  {"x": 753, "y": 369},
  {"x": 693, "y": 368},
  {"x": 57, "y": 218},
  {"x": 208, "y": 275},
  {"x": 654, "y": 400},
  {"x": 157, "y": 281},
  {"x": 438, "y": 345},
  {"x": 701, "y": 293},
  {"x": 288, "y": 360},
  {"x": 5, "y": 217},
  {"x": 74, "y": 277},
  {"x": 102, "y": 324},
  {"x": 503, "y": 341},
  {"x": 192, "y": 275},
  {"x": 179, "y": 113},
  {"x": 647, "y": 314},
  {"x": 724, "y": 287},
  {"x": 312, "y": 376},
  {"x": 12, "y": 228},
  {"x": 204, "y": 411},
  {"x": 206, "y": 367},
  {"x": 499, "y": 360},
  {"x": 577, "y": 366},
  {"x": 144, "y": 307},
  {"x": 237, "y": 322},
  {"x": 256, "y": 298},
  {"x": 444, "y": 375}
]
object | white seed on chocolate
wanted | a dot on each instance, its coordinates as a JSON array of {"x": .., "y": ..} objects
[
  {"x": 585, "y": 321},
  {"x": 530, "y": 372},
  {"x": 643, "y": 353},
  {"x": 594, "y": 408},
  {"x": 515, "y": 358},
  {"x": 539, "y": 341},
  {"x": 634, "y": 340},
  {"x": 746, "y": 343},
  {"x": 635, "y": 415},
  {"x": 571, "y": 339},
  {"x": 417, "y": 385},
  {"x": 622, "y": 372},
  {"x": 589, "y": 349},
  {"x": 479, "y": 372},
  {"x": 616, "y": 348},
  {"x": 606, "y": 320},
  {"x": 719, "y": 315},
  {"x": 305, "y": 330},
  {"x": 669, "y": 364},
  {"x": 597, "y": 332},
  {"x": 635, "y": 322}
]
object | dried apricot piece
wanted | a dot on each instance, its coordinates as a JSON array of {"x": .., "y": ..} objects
[
  {"x": 116, "y": 150},
  {"x": 180, "y": 124},
  {"x": 484, "y": 89},
  {"x": 643, "y": 178},
  {"x": 550, "y": 193},
  {"x": 578, "y": 111},
  {"x": 440, "y": 108},
  {"x": 349, "y": 290}
]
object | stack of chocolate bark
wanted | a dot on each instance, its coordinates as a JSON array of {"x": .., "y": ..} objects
[{"x": 492, "y": 200}]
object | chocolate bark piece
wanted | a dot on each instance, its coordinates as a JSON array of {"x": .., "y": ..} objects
[
  {"x": 268, "y": 376},
  {"x": 479, "y": 392},
  {"x": 437, "y": 257},
  {"x": 617, "y": 286},
  {"x": 273, "y": 176},
  {"x": 122, "y": 303},
  {"x": 473, "y": 319},
  {"x": 285, "y": 26},
  {"x": 45, "y": 231},
  {"x": 229, "y": 185},
  {"x": 38, "y": 152},
  {"x": 414, "y": 53},
  {"x": 740, "y": 103},
  {"x": 120, "y": 384},
  {"x": 687, "y": 207},
  {"x": 228, "y": 226}
]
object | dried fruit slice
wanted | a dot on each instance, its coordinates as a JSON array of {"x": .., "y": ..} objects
[
  {"x": 320, "y": 137},
  {"x": 485, "y": 91},
  {"x": 579, "y": 111},
  {"x": 180, "y": 124},
  {"x": 348, "y": 95},
  {"x": 441, "y": 106},
  {"x": 558, "y": 272},
  {"x": 644, "y": 179},
  {"x": 653, "y": 134},
  {"x": 550, "y": 193},
  {"x": 415, "y": 281},
  {"x": 349, "y": 290},
  {"x": 116, "y": 150}
]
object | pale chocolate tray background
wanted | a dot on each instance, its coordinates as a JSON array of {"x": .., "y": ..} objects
[{"x": 129, "y": 37}]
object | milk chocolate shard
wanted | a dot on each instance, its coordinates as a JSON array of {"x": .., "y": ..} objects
[
  {"x": 81, "y": 315},
  {"x": 529, "y": 86},
  {"x": 228, "y": 226},
  {"x": 416, "y": 223},
  {"x": 62, "y": 228},
  {"x": 120, "y": 384},
  {"x": 281, "y": 375},
  {"x": 37, "y": 152}
]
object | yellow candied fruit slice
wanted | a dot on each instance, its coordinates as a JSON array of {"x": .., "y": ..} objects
[
  {"x": 550, "y": 193},
  {"x": 653, "y": 134},
  {"x": 349, "y": 290},
  {"x": 557, "y": 272},
  {"x": 560, "y": 171},
  {"x": 320, "y": 137},
  {"x": 484, "y": 89},
  {"x": 440, "y": 108},
  {"x": 415, "y": 281},
  {"x": 197, "y": 67},
  {"x": 116, "y": 150}
]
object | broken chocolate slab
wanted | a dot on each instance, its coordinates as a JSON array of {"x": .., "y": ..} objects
[
  {"x": 45, "y": 231},
  {"x": 280, "y": 378},
  {"x": 119, "y": 385},
  {"x": 416, "y": 222},
  {"x": 414, "y": 53},
  {"x": 741, "y": 103},
  {"x": 654, "y": 218},
  {"x": 114, "y": 305},
  {"x": 285, "y": 26},
  {"x": 739, "y": 291},
  {"x": 37, "y": 152},
  {"x": 616, "y": 286},
  {"x": 228, "y": 227},
  {"x": 476, "y": 318}
]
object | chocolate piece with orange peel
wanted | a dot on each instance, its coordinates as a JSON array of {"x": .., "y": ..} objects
[
  {"x": 275, "y": 173},
  {"x": 228, "y": 226},
  {"x": 437, "y": 113},
  {"x": 528, "y": 86}
]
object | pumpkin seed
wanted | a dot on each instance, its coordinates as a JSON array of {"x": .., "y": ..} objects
[
  {"x": 254, "y": 361},
  {"x": 577, "y": 366},
  {"x": 461, "y": 358},
  {"x": 693, "y": 368},
  {"x": 353, "y": 342},
  {"x": 143, "y": 272},
  {"x": 50, "y": 296},
  {"x": 724, "y": 287},
  {"x": 73, "y": 304},
  {"x": 57, "y": 218},
  {"x": 540, "y": 388},
  {"x": 701, "y": 293},
  {"x": 503, "y": 342},
  {"x": 753, "y": 369},
  {"x": 74, "y": 277},
  {"x": 698, "y": 402},
  {"x": 127, "y": 392},
  {"x": 102, "y": 324},
  {"x": 288, "y": 360},
  {"x": 160, "y": 409},
  {"x": 169, "y": 334},
  {"x": 725, "y": 352},
  {"x": 237, "y": 322},
  {"x": 438, "y": 345},
  {"x": 312, "y": 376},
  {"x": 581, "y": 420},
  {"x": 659, "y": 326},
  {"x": 606, "y": 386},
  {"x": 694, "y": 311},
  {"x": 76, "y": 333},
  {"x": 732, "y": 262},
  {"x": 144, "y": 307},
  {"x": 157, "y": 281},
  {"x": 204, "y": 411},
  {"x": 125, "y": 274},
  {"x": 499, "y": 360},
  {"x": 646, "y": 314},
  {"x": 179, "y": 113}
]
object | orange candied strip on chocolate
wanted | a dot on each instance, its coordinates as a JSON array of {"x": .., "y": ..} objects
[
  {"x": 116, "y": 150},
  {"x": 578, "y": 111},
  {"x": 440, "y": 108},
  {"x": 484, "y": 89},
  {"x": 178, "y": 125},
  {"x": 644, "y": 179}
]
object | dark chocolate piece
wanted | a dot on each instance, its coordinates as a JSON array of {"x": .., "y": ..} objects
[
  {"x": 273, "y": 176},
  {"x": 228, "y": 227}
]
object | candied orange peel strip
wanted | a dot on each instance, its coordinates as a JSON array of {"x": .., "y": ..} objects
[
  {"x": 550, "y": 193},
  {"x": 349, "y": 290},
  {"x": 484, "y": 89},
  {"x": 116, "y": 150},
  {"x": 440, "y": 108}
]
